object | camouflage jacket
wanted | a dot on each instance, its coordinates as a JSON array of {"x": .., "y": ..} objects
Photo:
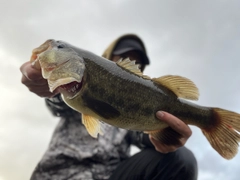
[{"x": 74, "y": 154}]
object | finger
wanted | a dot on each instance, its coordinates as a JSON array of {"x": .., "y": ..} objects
[
  {"x": 30, "y": 73},
  {"x": 175, "y": 123},
  {"x": 48, "y": 94},
  {"x": 42, "y": 92},
  {"x": 40, "y": 82},
  {"x": 160, "y": 147},
  {"x": 36, "y": 65},
  {"x": 38, "y": 89}
]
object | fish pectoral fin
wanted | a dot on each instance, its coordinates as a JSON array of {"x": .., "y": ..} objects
[
  {"x": 131, "y": 66},
  {"x": 166, "y": 136},
  {"x": 92, "y": 125},
  {"x": 180, "y": 86}
]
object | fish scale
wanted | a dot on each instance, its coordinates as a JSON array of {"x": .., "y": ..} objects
[{"x": 147, "y": 105}]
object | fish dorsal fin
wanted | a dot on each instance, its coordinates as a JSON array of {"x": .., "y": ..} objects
[
  {"x": 181, "y": 86},
  {"x": 92, "y": 125},
  {"x": 131, "y": 66}
]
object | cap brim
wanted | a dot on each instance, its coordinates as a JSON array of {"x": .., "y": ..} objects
[{"x": 125, "y": 50}]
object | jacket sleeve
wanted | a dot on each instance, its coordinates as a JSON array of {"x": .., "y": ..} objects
[
  {"x": 58, "y": 107},
  {"x": 139, "y": 139}
]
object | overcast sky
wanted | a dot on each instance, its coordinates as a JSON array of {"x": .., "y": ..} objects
[{"x": 196, "y": 39}]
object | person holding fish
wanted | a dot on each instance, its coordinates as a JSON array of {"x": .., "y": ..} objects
[{"x": 74, "y": 154}]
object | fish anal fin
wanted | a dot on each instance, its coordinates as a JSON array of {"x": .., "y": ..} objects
[
  {"x": 92, "y": 125},
  {"x": 131, "y": 66},
  {"x": 180, "y": 86},
  {"x": 166, "y": 136}
]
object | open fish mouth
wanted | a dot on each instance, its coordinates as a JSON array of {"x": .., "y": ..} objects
[
  {"x": 61, "y": 66},
  {"x": 70, "y": 87}
]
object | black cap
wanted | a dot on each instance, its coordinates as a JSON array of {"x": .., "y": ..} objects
[{"x": 126, "y": 45}]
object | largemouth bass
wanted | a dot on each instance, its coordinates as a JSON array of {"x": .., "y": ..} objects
[{"x": 120, "y": 95}]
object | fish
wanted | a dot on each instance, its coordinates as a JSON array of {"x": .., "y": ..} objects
[{"x": 119, "y": 94}]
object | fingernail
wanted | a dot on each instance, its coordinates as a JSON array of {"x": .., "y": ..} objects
[{"x": 160, "y": 114}]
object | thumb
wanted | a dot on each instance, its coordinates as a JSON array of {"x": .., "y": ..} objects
[{"x": 36, "y": 65}]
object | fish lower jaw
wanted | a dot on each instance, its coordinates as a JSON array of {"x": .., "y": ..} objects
[
  {"x": 54, "y": 84},
  {"x": 70, "y": 90}
]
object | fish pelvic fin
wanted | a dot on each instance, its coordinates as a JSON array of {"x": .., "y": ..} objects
[
  {"x": 180, "y": 86},
  {"x": 224, "y": 135},
  {"x": 166, "y": 136},
  {"x": 92, "y": 125}
]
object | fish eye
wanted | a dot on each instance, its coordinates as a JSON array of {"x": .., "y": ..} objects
[{"x": 60, "y": 46}]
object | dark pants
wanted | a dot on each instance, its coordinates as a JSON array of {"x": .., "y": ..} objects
[{"x": 152, "y": 165}]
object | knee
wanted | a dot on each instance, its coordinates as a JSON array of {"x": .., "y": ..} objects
[{"x": 184, "y": 164}]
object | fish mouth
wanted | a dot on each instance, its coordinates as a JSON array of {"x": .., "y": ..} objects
[
  {"x": 69, "y": 87},
  {"x": 61, "y": 66}
]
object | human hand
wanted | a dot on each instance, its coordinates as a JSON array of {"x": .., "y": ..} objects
[
  {"x": 175, "y": 124},
  {"x": 32, "y": 78}
]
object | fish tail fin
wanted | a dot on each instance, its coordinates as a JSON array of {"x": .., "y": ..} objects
[{"x": 224, "y": 133}]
